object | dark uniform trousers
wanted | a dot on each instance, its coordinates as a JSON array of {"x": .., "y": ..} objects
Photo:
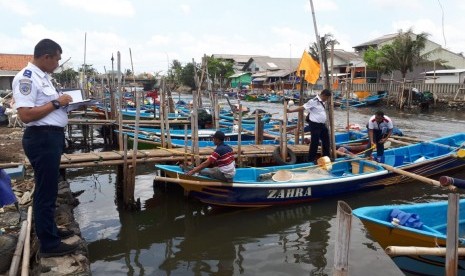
[
  {"x": 43, "y": 146},
  {"x": 318, "y": 131},
  {"x": 378, "y": 135}
]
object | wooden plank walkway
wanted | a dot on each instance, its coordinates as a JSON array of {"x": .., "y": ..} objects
[{"x": 161, "y": 156}]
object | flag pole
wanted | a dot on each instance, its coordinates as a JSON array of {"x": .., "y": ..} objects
[{"x": 318, "y": 43}]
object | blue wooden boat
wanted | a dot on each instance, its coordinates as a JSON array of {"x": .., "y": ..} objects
[
  {"x": 245, "y": 120},
  {"x": 421, "y": 224},
  {"x": 370, "y": 100},
  {"x": 146, "y": 114},
  {"x": 277, "y": 185},
  {"x": 273, "y": 98},
  {"x": 426, "y": 159}
]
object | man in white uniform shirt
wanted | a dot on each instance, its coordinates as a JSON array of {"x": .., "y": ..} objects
[
  {"x": 317, "y": 121},
  {"x": 380, "y": 129},
  {"x": 42, "y": 108}
]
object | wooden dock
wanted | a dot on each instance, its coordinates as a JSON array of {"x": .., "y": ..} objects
[{"x": 165, "y": 155}]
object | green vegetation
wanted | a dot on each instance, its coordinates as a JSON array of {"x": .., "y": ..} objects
[{"x": 403, "y": 54}]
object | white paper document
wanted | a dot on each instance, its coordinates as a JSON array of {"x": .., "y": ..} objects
[
  {"x": 75, "y": 94},
  {"x": 78, "y": 101}
]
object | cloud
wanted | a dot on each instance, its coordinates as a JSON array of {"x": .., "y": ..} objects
[
  {"x": 321, "y": 5},
  {"x": 186, "y": 9},
  {"x": 120, "y": 8},
  {"x": 18, "y": 7}
]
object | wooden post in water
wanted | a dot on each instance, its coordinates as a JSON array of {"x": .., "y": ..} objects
[
  {"x": 452, "y": 235},
  {"x": 124, "y": 170},
  {"x": 120, "y": 102},
  {"x": 185, "y": 144},
  {"x": 216, "y": 109},
  {"x": 239, "y": 137},
  {"x": 258, "y": 131},
  {"x": 341, "y": 254},
  {"x": 166, "y": 118},
  {"x": 284, "y": 133},
  {"x": 162, "y": 114}
]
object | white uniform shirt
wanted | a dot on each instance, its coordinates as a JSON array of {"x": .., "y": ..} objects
[
  {"x": 384, "y": 126},
  {"x": 33, "y": 87},
  {"x": 316, "y": 108}
]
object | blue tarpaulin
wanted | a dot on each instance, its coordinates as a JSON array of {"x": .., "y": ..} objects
[{"x": 7, "y": 196}]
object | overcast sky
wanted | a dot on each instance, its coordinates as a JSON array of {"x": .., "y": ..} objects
[{"x": 160, "y": 31}]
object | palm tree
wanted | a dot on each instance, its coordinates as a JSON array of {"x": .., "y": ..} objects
[
  {"x": 326, "y": 40},
  {"x": 404, "y": 53}
]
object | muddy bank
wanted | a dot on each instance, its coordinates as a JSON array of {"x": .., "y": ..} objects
[{"x": 10, "y": 219}]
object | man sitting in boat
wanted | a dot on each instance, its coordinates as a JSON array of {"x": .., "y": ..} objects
[
  {"x": 222, "y": 158},
  {"x": 379, "y": 130}
]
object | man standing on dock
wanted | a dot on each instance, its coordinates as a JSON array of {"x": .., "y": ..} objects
[
  {"x": 222, "y": 158},
  {"x": 43, "y": 111},
  {"x": 380, "y": 129},
  {"x": 317, "y": 121}
]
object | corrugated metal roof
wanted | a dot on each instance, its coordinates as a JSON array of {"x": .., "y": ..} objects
[
  {"x": 238, "y": 74},
  {"x": 377, "y": 41},
  {"x": 236, "y": 58},
  {"x": 445, "y": 71},
  {"x": 269, "y": 63}
]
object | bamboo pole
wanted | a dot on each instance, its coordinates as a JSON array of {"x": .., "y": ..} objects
[
  {"x": 416, "y": 250},
  {"x": 344, "y": 223},
  {"x": 132, "y": 169},
  {"x": 18, "y": 251},
  {"x": 239, "y": 137},
  {"x": 120, "y": 101},
  {"x": 162, "y": 114},
  {"x": 27, "y": 244},
  {"x": 125, "y": 178},
  {"x": 191, "y": 182},
  {"x": 185, "y": 144},
  {"x": 417, "y": 177},
  {"x": 406, "y": 173},
  {"x": 284, "y": 133},
  {"x": 331, "y": 111},
  {"x": 452, "y": 242}
]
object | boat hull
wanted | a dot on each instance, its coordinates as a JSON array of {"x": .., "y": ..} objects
[
  {"x": 255, "y": 193},
  {"x": 432, "y": 233}
]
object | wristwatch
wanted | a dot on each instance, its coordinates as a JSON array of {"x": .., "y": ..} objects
[{"x": 56, "y": 104}]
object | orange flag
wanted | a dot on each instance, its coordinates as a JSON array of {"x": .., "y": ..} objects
[{"x": 311, "y": 67}]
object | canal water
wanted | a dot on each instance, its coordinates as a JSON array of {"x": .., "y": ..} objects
[{"x": 173, "y": 235}]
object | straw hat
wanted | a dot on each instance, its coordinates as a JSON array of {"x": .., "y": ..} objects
[
  {"x": 283, "y": 176},
  {"x": 325, "y": 163}
]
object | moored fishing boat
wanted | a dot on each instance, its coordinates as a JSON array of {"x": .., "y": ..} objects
[
  {"x": 276, "y": 185},
  {"x": 247, "y": 189},
  {"x": 421, "y": 225}
]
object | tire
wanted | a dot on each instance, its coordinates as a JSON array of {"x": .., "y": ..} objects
[
  {"x": 7, "y": 249},
  {"x": 279, "y": 160}
]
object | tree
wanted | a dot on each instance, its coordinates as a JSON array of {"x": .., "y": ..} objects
[
  {"x": 327, "y": 40},
  {"x": 219, "y": 69},
  {"x": 403, "y": 54},
  {"x": 174, "y": 73},
  {"x": 187, "y": 75},
  {"x": 67, "y": 78}
]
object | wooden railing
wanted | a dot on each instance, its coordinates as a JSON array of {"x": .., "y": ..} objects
[{"x": 445, "y": 91}]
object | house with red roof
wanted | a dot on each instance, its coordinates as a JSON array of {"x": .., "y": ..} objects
[{"x": 10, "y": 65}]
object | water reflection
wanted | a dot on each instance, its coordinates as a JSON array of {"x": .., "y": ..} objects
[
  {"x": 173, "y": 236},
  {"x": 176, "y": 236}
]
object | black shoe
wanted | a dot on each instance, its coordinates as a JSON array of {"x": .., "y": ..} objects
[
  {"x": 60, "y": 250},
  {"x": 64, "y": 234}
]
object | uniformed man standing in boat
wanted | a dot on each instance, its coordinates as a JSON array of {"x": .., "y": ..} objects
[{"x": 317, "y": 122}]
